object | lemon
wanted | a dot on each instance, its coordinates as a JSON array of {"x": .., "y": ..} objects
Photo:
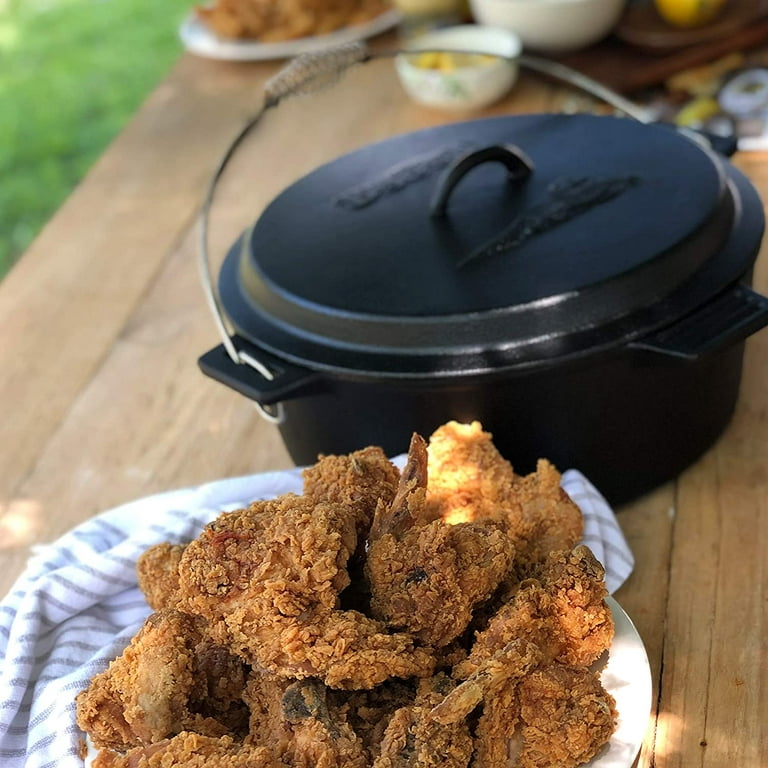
[{"x": 689, "y": 13}]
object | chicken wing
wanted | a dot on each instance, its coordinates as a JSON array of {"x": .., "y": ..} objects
[
  {"x": 562, "y": 611},
  {"x": 427, "y": 577}
]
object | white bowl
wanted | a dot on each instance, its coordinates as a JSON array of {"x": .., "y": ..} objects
[
  {"x": 551, "y": 26},
  {"x": 465, "y": 87}
]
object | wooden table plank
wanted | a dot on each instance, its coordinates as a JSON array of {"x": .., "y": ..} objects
[{"x": 713, "y": 684}]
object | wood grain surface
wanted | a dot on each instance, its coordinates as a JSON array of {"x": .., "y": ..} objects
[{"x": 102, "y": 321}]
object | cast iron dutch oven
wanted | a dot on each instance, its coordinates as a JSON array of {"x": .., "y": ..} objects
[{"x": 577, "y": 283}]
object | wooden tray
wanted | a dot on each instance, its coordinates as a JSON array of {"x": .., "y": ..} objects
[
  {"x": 628, "y": 68},
  {"x": 643, "y": 27}
]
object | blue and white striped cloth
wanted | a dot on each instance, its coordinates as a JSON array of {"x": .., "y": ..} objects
[{"x": 77, "y": 605}]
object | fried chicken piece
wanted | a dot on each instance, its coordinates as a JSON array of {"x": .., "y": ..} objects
[
  {"x": 427, "y": 577},
  {"x": 268, "y": 579},
  {"x": 555, "y": 716},
  {"x": 566, "y": 717},
  {"x": 369, "y": 712},
  {"x": 562, "y": 612},
  {"x": 288, "y": 554},
  {"x": 468, "y": 477},
  {"x": 550, "y": 520},
  {"x": 470, "y": 480},
  {"x": 346, "y": 649},
  {"x": 507, "y": 664},
  {"x": 559, "y": 619},
  {"x": 169, "y": 679},
  {"x": 322, "y": 737},
  {"x": 536, "y": 712},
  {"x": 192, "y": 750},
  {"x": 303, "y": 723},
  {"x": 158, "y": 575},
  {"x": 358, "y": 481},
  {"x": 414, "y": 739}
]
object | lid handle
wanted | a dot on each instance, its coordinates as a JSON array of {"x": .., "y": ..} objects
[{"x": 518, "y": 164}]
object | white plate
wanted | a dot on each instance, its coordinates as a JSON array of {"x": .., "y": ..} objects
[
  {"x": 199, "y": 39},
  {"x": 626, "y": 676}
]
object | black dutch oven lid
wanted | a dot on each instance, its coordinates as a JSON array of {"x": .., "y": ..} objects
[{"x": 490, "y": 244}]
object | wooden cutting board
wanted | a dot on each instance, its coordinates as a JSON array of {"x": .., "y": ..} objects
[{"x": 644, "y": 51}]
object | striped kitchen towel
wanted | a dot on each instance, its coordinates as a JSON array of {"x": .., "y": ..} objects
[{"x": 77, "y": 605}]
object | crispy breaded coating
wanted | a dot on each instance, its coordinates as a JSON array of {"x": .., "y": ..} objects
[
  {"x": 413, "y": 739},
  {"x": 562, "y": 612},
  {"x": 169, "y": 679},
  {"x": 192, "y": 750},
  {"x": 550, "y": 520},
  {"x": 470, "y": 480},
  {"x": 566, "y": 717},
  {"x": 157, "y": 571},
  {"x": 269, "y": 578},
  {"x": 427, "y": 577},
  {"x": 441, "y": 616},
  {"x": 358, "y": 481}
]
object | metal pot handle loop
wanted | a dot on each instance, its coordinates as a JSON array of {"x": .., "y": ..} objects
[{"x": 518, "y": 164}]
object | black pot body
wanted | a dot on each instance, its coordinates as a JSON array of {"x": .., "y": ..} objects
[
  {"x": 630, "y": 389},
  {"x": 628, "y": 419}
]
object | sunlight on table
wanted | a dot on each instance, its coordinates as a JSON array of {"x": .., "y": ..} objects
[{"x": 20, "y": 522}]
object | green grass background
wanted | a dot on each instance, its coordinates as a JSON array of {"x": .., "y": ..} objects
[{"x": 72, "y": 72}]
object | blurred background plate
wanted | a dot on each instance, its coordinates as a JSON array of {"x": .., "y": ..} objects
[{"x": 199, "y": 39}]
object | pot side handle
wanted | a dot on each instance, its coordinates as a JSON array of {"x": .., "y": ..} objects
[
  {"x": 288, "y": 381},
  {"x": 731, "y": 317}
]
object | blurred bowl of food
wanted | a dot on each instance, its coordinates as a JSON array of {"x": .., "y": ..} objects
[
  {"x": 551, "y": 26},
  {"x": 464, "y": 67}
]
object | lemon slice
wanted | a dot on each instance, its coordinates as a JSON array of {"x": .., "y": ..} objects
[{"x": 689, "y": 13}]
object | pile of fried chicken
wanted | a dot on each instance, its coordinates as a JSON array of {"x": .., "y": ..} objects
[
  {"x": 438, "y": 617},
  {"x": 271, "y": 21}
]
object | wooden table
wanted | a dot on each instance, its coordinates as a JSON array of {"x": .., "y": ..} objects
[{"x": 103, "y": 318}]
